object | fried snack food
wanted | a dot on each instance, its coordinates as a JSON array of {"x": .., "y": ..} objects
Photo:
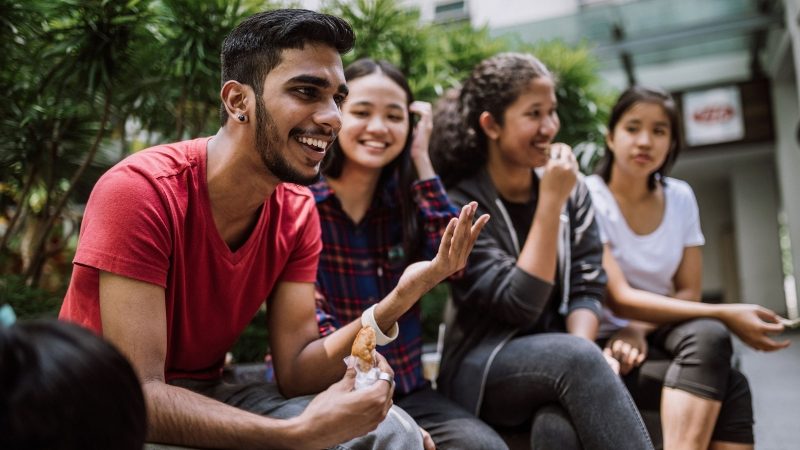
[{"x": 362, "y": 348}]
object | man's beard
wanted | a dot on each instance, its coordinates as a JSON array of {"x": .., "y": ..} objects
[{"x": 268, "y": 146}]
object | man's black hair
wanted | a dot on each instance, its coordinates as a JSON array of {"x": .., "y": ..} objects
[{"x": 254, "y": 47}]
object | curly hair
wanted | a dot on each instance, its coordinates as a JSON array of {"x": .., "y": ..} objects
[
  {"x": 641, "y": 94},
  {"x": 458, "y": 143}
]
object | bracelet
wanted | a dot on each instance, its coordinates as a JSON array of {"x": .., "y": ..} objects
[{"x": 368, "y": 319}]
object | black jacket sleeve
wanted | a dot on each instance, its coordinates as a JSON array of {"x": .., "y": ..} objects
[
  {"x": 587, "y": 277},
  {"x": 492, "y": 282}
]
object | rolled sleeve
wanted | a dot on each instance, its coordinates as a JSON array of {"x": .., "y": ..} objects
[{"x": 590, "y": 303}]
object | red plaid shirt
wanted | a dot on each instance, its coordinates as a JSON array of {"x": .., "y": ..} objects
[{"x": 361, "y": 263}]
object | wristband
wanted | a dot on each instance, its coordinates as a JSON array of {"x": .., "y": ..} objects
[{"x": 368, "y": 319}]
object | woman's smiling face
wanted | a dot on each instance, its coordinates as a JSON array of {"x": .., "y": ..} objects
[
  {"x": 375, "y": 121},
  {"x": 529, "y": 125}
]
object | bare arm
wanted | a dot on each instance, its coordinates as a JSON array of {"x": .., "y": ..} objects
[
  {"x": 134, "y": 319},
  {"x": 303, "y": 363},
  {"x": 629, "y": 345},
  {"x": 688, "y": 279},
  {"x": 421, "y": 138},
  {"x": 750, "y": 322},
  {"x": 538, "y": 255},
  {"x": 638, "y": 304},
  {"x": 583, "y": 323},
  {"x": 306, "y": 364}
]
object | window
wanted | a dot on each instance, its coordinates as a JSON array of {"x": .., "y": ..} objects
[{"x": 449, "y": 11}]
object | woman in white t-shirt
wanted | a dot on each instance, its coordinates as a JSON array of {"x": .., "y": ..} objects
[{"x": 680, "y": 358}]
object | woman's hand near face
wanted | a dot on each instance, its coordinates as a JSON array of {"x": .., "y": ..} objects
[
  {"x": 560, "y": 175},
  {"x": 420, "y": 139}
]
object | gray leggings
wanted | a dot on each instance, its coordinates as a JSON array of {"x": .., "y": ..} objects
[
  {"x": 451, "y": 426},
  {"x": 397, "y": 432},
  {"x": 695, "y": 357},
  {"x": 564, "y": 386}
]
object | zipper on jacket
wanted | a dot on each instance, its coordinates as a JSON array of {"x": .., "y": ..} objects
[{"x": 509, "y": 224}]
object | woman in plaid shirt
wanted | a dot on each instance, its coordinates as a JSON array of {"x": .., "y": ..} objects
[{"x": 381, "y": 208}]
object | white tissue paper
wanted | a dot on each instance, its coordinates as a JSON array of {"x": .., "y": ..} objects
[{"x": 363, "y": 378}]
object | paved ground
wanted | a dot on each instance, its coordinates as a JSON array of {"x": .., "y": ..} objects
[{"x": 775, "y": 382}]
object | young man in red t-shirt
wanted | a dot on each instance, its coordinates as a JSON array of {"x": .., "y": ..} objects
[{"x": 182, "y": 243}]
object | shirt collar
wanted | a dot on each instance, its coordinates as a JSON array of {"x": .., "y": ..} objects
[{"x": 321, "y": 190}]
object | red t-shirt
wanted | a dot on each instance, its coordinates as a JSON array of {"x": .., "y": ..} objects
[{"x": 149, "y": 218}]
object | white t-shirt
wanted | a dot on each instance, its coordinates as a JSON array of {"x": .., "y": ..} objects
[{"x": 649, "y": 261}]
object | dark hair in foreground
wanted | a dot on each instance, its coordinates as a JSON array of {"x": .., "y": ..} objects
[
  {"x": 400, "y": 168},
  {"x": 254, "y": 47},
  {"x": 64, "y": 388},
  {"x": 458, "y": 143},
  {"x": 629, "y": 98}
]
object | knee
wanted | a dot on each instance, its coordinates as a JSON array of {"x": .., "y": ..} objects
[
  {"x": 552, "y": 428},
  {"x": 707, "y": 340},
  {"x": 397, "y": 431},
  {"x": 581, "y": 354},
  {"x": 478, "y": 438}
]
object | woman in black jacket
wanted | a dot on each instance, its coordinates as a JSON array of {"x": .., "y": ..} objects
[{"x": 520, "y": 346}]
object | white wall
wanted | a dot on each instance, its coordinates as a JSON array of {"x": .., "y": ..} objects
[
  {"x": 787, "y": 159},
  {"x": 755, "y": 212},
  {"x": 739, "y": 221},
  {"x": 688, "y": 73},
  {"x": 426, "y": 8},
  {"x": 786, "y": 109},
  {"x": 792, "y": 26},
  {"x": 713, "y": 199},
  {"x": 500, "y": 13},
  {"x": 310, "y": 4}
]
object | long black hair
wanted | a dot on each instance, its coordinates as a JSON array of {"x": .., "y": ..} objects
[
  {"x": 458, "y": 143},
  {"x": 400, "y": 169},
  {"x": 629, "y": 98}
]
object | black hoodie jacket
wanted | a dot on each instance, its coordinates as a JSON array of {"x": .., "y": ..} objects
[{"x": 494, "y": 300}]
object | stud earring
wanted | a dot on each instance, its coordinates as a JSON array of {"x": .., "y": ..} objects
[{"x": 240, "y": 117}]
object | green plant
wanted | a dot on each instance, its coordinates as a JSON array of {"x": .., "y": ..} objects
[
  {"x": 58, "y": 117},
  {"x": 28, "y": 302},
  {"x": 433, "y": 305},
  {"x": 77, "y": 76},
  {"x": 253, "y": 344},
  {"x": 433, "y": 57}
]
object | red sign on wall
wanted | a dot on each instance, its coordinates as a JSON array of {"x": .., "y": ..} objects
[{"x": 713, "y": 116}]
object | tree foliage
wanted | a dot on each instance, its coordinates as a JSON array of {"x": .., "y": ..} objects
[
  {"x": 68, "y": 60},
  {"x": 87, "y": 82},
  {"x": 436, "y": 57},
  {"x": 78, "y": 74}
]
